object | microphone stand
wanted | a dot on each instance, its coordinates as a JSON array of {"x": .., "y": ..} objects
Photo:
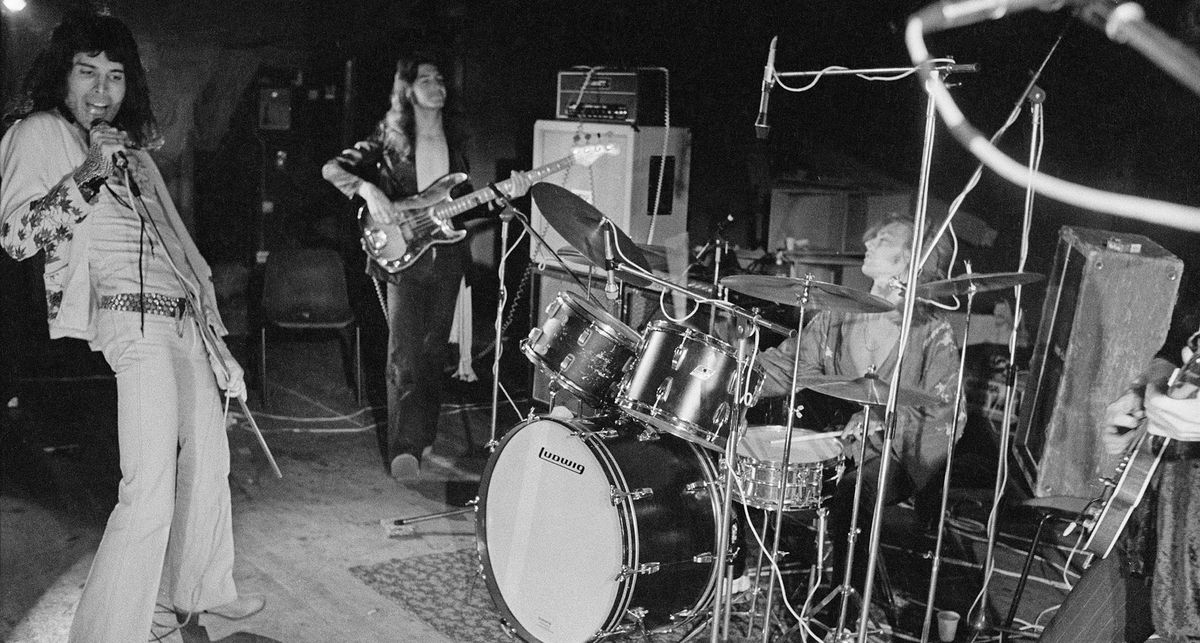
[
  {"x": 889, "y": 425},
  {"x": 980, "y": 622},
  {"x": 802, "y": 302},
  {"x": 958, "y": 391}
]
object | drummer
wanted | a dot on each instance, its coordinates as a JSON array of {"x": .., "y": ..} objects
[{"x": 855, "y": 344}]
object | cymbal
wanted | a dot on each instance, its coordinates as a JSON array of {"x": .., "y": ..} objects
[
  {"x": 868, "y": 389},
  {"x": 582, "y": 225},
  {"x": 961, "y": 284},
  {"x": 821, "y": 295}
]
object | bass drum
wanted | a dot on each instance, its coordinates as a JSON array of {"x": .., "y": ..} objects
[{"x": 592, "y": 528}]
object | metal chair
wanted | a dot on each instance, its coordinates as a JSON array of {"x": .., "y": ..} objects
[{"x": 305, "y": 289}]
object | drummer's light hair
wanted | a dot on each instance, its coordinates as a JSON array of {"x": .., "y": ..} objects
[{"x": 939, "y": 259}]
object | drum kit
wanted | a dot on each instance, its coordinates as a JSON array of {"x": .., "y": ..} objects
[{"x": 619, "y": 524}]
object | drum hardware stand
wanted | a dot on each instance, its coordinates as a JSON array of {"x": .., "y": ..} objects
[
  {"x": 906, "y": 319},
  {"x": 722, "y": 597},
  {"x": 402, "y": 526},
  {"x": 846, "y": 589},
  {"x": 802, "y": 302},
  {"x": 941, "y": 530},
  {"x": 980, "y": 622}
]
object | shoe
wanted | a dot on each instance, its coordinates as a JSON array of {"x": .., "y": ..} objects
[
  {"x": 239, "y": 608},
  {"x": 406, "y": 466}
]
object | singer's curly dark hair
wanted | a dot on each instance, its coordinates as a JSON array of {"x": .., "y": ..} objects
[{"x": 45, "y": 86}]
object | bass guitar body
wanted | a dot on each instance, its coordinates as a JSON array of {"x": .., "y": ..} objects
[{"x": 397, "y": 245}]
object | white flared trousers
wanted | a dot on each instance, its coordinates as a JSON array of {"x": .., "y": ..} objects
[{"x": 173, "y": 498}]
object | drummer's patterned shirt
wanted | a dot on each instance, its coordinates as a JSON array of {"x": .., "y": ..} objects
[{"x": 930, "y": 365}]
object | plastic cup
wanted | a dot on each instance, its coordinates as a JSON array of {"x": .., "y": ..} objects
[{"x": 947, "y": 625}]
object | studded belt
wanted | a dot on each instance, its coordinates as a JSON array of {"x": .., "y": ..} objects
[{"x": 149, "y": 303}]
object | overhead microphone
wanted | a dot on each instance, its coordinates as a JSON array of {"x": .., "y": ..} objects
[
  {"x": 761, "y": 127},
  {"x": 610, "y": 264}
]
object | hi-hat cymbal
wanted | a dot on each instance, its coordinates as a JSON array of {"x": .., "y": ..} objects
[
  {"x": 582, "y": 225},
  {"x": 821, "y": 295},
  {"x": 868, "y": 389},
  {"x": 962, "y": 284}
]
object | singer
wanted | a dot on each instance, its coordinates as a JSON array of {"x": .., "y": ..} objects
[{"x": 123, "y": 274}]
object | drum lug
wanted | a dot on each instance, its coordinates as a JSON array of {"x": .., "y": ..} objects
[
  {"x": 644, "y": 568},
  {"x": 566, "y": 362},
  {"x": 721, "y": 415},
  {"x": 696, "y": 487},
  {"x": 584, "y": 336},
  {"x": 508, "y": 629},
  {"x": 706, "y": 557},
  {"x": 648, "y": 435},
  {"x": 603, "y": 434},
  {"x": 617, "y": 497},
  {"x": 664, "y": 389},
  {"x": 678, "y": 356}
]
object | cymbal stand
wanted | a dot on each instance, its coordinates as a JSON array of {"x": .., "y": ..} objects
[
  {"x": 722, "y": 598},
  {"x": 941, "y": 531},
  {"x": 802, "y": 302},
  {"x": 980, "y": 622},
  {"x": 846, "y": 589},
  {"x": 889, "y": 414}
]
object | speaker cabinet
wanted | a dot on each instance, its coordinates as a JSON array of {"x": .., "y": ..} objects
[
  {"x": 1107, "y": 311},
  {"x": 623, "y": 188}
]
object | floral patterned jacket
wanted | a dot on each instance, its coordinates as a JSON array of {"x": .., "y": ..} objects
[
  {"x": 42, "y": 209},
  {"x": 931, "y": 365}
]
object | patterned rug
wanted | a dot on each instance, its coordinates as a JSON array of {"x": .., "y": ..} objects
[{"x": 443, "y": 589}]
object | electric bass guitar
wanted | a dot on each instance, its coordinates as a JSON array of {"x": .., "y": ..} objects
[
  {"x": 1135, "y": 471},
  {"x": 421, "y": 221}
]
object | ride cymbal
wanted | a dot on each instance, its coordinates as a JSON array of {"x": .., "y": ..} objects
[
  {"x": 819, "y": 294},
  {"x": 962, "y": 284}
]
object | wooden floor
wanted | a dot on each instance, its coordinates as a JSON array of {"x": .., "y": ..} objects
[{"x": 297, "y": 537}]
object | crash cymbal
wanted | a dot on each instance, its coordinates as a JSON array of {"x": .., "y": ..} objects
[
  {"x": 868, "y": 389},
  {"x": 961, "y": 284},
  {"x": 582, "y": 225},
  {"x": 821, "y": 295}
]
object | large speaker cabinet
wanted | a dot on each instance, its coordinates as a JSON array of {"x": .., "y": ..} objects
[
  {"x": 622, "y": 187},
  {"x": 1107, "y": 311}
]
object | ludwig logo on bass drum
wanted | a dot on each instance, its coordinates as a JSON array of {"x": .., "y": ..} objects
[{"x": 554, "y": 458}]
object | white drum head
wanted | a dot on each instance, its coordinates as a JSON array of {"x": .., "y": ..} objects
[
  {"x": 765, "y": 444},
  {"x": 554, "y": 543}
]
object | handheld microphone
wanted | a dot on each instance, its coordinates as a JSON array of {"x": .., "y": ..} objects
[
  {"x": 610, "y": 264},
  {"x": 119, "y": 160},
  {"x": 761, "y": 127}
]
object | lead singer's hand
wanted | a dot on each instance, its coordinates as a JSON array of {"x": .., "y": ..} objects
[{"x": 104, "y": 143}]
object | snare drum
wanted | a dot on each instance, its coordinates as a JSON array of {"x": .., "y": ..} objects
[
  {"x": 582, "y": 348},
  {"x": 591, "y": 528},
  {"x": 814, "y": 466},
  {"x": 684, "y": 382}
]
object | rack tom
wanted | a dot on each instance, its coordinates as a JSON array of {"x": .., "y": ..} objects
[{"x": 581, "y": 348}]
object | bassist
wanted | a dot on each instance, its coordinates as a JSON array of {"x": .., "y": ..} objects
[{"x": 416, "y": 143}]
